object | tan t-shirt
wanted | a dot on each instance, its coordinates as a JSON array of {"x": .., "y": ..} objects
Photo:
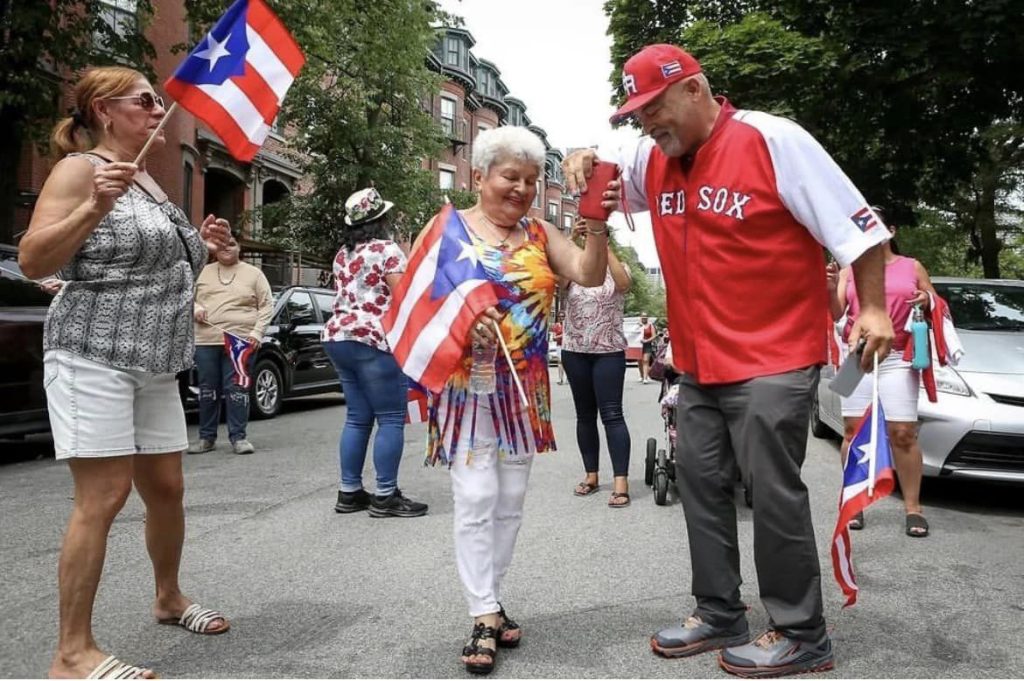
[{"x": 236, "y": 298}]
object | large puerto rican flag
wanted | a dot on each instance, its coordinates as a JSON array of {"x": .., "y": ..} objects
[
  {"x": 444, "y": 289},
  {"x": 867, "y": 477},
  {"x": 237, "y": 77}
]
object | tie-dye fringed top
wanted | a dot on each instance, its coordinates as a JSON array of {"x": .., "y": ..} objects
[{"x": 529, "y": 288}]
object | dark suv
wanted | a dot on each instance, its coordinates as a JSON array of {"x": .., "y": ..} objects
[
  {"x": 291, "y": 360},
  {"x": 22, "y": 313}
]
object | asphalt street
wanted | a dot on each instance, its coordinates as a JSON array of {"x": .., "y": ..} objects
[{"x": 311, "y": 593}]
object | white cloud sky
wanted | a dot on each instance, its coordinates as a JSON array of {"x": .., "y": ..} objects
[{"x": 555, "y": 56}]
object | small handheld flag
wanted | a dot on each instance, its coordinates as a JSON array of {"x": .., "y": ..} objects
[
  {"x": 867, "y": 477},
  {"x": 236, "y": 78},
  {"x": 239, "y": 351}
]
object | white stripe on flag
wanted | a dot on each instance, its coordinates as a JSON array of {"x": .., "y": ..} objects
[
  {"x": 264, "y": 60},
  {"x": 422, "y": 280},
  {"x": 853, "y": 490},
  {"x": 435, "y": 331},
  {"x": 238, "y": 106},
  {"x": 844, "y": 563}
]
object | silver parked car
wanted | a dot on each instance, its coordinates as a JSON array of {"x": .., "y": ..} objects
[{"x": 976, "y": 429}]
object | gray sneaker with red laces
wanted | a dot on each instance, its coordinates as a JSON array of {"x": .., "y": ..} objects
[{"x": 774, "y": 654}]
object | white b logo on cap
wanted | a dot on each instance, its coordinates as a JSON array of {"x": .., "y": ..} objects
[{"x": 629, "y": 84}]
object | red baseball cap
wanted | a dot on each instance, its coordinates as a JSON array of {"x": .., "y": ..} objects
[{"x": 649, "y": 72}]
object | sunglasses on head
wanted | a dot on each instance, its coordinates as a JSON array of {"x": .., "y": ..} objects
[{"x": 147, "y": 100}]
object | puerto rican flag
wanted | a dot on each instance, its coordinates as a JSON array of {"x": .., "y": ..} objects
[
  {"x": 867, "y": 477},
  {"x": 864, "y": 219},
  {"x": 240, "y": 351},
  {"x": 444, "y": 289},
  {"x": 417, "y": 404},
  {"x": 237, "y": 77}
]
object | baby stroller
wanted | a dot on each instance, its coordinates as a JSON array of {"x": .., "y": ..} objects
[{"x": 660, "y": 464}]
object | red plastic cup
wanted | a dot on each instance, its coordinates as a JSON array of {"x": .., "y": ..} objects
[{"x": 590, "y": 200}]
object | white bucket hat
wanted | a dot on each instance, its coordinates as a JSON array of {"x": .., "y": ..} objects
[{"x": 365, "y": 205}]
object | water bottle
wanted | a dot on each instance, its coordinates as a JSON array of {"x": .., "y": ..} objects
[
  {"x": 481, "y": 373},
  {"x": 919, "y": 333}
]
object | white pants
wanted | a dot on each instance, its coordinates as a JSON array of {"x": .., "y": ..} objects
[
  {"x": 489, "y": 495},
  {"x": 899, "y": 385}
]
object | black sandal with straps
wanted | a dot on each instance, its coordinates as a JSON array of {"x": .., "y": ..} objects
[
  {"x": 473, "y": 648},
  {"x": 508, "y": 625}
]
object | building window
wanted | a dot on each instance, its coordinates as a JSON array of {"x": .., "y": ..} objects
[
  {"x": 553, "y": 211},
  {"x": 186, "y": 189},
  {"x": 453, "y": 53},
  {"x": 538, "y": 195},
  {"x": 448, "y": 115},
  {"x": 446, "y": 178},
  {"x": 122, "y": 18},
  {"x": 567, "y": 219}
]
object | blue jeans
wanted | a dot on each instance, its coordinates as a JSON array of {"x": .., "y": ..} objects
[
  {"x": 596, "y": 384},
  {"x": 375, "y": 389},
  {"x": 216, "y": 380}
]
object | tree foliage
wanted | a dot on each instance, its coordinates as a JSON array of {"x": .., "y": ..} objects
[
  {"x": 43, "y": 46},
  {"x": 356, "y": 113},
  {"x": 916, "y": 100}
]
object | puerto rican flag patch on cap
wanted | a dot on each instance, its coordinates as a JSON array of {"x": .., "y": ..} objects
[
  {"x": 864, "y": 219},
  {"x": 670, "y": 69}
]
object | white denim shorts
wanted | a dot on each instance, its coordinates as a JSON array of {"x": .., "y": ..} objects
[
  {"x": 98, "y": 411},
  {"x": 899, "y": 385}
]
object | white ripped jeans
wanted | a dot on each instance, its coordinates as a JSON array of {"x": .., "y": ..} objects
[{"x": 489, "y": 495}]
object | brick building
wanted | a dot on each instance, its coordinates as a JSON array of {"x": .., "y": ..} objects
[{"x": 474, "y": 98}]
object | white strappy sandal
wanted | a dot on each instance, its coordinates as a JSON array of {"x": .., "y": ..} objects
[
  {"x": 113, "y": 668},
  {"x": 198, "y": 620}
]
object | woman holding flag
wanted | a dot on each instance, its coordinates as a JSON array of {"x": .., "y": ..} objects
[
  {"x": 115, "y": 335},
  {"x": 906, "y": 285},
  {"x": 488, "y": 439}
]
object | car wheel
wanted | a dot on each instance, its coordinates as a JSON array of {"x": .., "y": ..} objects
[
  {"x": 267, "y": 391},
  {"x": 818, "y": 427},
  {"x": 652, "y": 448}
]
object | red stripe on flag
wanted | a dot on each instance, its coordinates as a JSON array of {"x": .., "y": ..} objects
[
  {"x": 399, "y": 293},
  {"x": 263, "y": 98},
  {"x": 275, "y": 35},
  {"x": 214, "y": 115},
  {"x": 449, "y": 352}
]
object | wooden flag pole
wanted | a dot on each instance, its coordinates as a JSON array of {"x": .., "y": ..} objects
[
  {"x": 163, "y": 122},
  {"x": 511, "y": 368}
]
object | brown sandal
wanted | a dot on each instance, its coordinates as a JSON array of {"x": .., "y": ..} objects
[
  {"x": 508, "y": 626},
  {"x": 473, "y": 648},
  {"x": 614, "y": 502},
  {"x": 585, "y": 489},
  {"x": 917, "y": 526}
]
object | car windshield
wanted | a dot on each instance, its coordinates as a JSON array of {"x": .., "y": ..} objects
[{"x": 984, "y": 307}]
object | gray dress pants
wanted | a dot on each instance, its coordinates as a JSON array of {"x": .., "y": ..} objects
[{"x": 761, "y": 425}]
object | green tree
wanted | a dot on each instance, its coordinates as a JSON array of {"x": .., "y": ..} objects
[
  {"x": 908, "y": 97},
  {"x": 357, "y": 112},
  {"x": 43, "y": 46}
]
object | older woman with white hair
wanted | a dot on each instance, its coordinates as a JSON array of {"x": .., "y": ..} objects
[{"x": 488, "y": 440}]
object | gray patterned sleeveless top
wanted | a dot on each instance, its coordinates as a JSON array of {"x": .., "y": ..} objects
[{"x": 127, "y": 302}]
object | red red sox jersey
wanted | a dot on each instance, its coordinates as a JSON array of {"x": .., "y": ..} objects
[{"x": 739, "y": 229}]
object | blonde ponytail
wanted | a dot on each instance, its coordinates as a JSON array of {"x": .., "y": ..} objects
[{"x": 69, "y": 136}]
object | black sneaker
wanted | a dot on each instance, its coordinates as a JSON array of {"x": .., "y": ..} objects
[
  {"x": 774, "y": 654},
  {"x": 350, "y": 502},
  {"x": 396, "y": 505}
]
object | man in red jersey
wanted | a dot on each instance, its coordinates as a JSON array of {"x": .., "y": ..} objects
[{"x": 741, "y": 203}]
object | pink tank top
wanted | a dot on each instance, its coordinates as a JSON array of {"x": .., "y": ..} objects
[{"x": 900, "y": 284}]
